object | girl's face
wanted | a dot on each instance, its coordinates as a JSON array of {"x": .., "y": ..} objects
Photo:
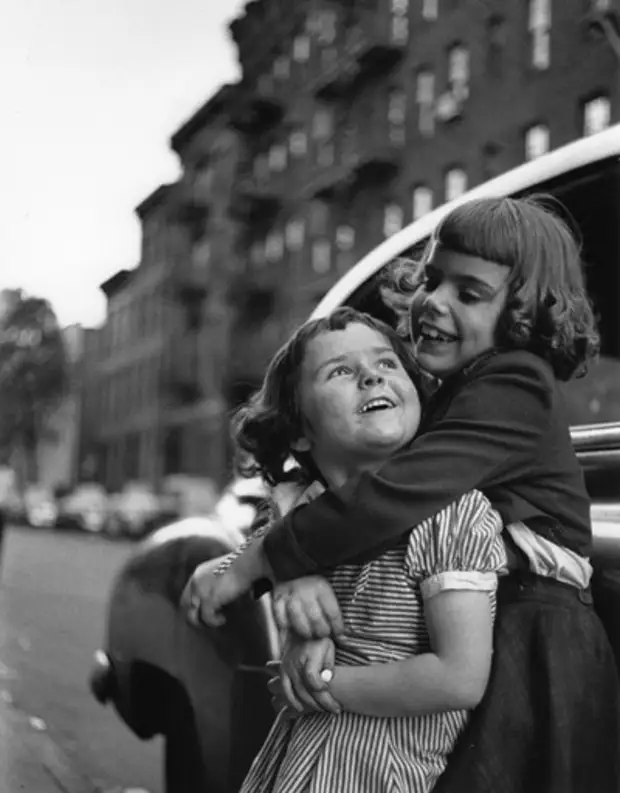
[
  {"x": 455, "y": 311},
  {"x": 358, "y": 403}
]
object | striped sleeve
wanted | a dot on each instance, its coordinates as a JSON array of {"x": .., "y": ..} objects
[{"x": 460, "y": 548}]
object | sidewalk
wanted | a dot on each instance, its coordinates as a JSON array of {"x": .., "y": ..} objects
[{"x": 30, "y": 761}]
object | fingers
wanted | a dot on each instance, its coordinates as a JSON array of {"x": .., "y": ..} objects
[
  {"x": 331, "y": 612},
  {"x": 308, "y": 607},
  {"x": 316, "y": 662},
  {"x": 325, "y": 701},
  {"x": 306, "y": 619},
  {"x": 199, "y": 601},
  {"x": 289, "y": 694},
  {"x": 280, "y": 613}
]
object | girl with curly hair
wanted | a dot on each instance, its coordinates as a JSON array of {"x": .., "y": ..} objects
[
  {"x": 341, "y": 397},
  {"x": 499, "y": 314}
]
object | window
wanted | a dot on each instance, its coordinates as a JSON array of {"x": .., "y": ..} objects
[
  {"x": 321, "y": 256},
  {"x": 539, "y": 24},
  {"x": 201, "y": 255},
  {"x": 265, "y": 84},
  {"x": 261, "y": 167},
  {"x": 425, "y": 98},
  {"x": 496, "y": 41},
  {"x": 203, "y": 183},
  {"x": 536, "y": 141},
  {"x": 397, "y": 107},
  {"x": 392, "y": 219},
  {"x": 301, "y": 49},
  {"x": 397, "y": 116},
  {"x": 326, "y": 27},
  {"x": 298, "y": 143},
  {"x": 322, "y": 124},
  {"x": 458, "y": 71},
  {"x": 326, "y": 155},
  {"x": 430, "y": 9},
  {"x": 596, "y": 115},
  {"x": 400, "y": 30},
  {"x": 295, "y": 234},
  {"x": 274, "y": 246},
  {"x": 257, "y": 254},
  {"x": 277, "y": 158},
  {"x": 345, "y": 238},
  {"x": 400, "y": 21},
  {"x": 422, "y": 201},
  {"x": 319, "y": 217},
  {"x": 282, "y": 68},
  {"x": 455, "y": 183}
]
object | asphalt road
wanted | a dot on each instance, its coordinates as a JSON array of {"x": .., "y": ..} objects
[{"x": 53, "y": 590}]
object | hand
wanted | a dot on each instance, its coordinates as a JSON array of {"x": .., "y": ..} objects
[
  {"x": 307, "y": 607},
  {"x": 279, "y": 701},
  {"x": 301, "y": 683},
  {"x": 209, "y": 590}
]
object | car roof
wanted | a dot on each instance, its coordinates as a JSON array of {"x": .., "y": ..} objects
[{"x": 579, "y": 154}]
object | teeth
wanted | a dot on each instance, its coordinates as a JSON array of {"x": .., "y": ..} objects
[
  {"x": 435, "y": 335},
  {"x": 380, "y": 402}
]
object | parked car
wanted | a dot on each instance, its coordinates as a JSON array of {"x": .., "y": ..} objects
[
  {"x": 40, "y": 507},
  {"x": 137, "y": 511},
  {"x": 204, "y": 689},
  {"x": 85, "y": 508}
]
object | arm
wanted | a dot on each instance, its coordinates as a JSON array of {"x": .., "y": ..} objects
[
  {"x": 451, "y": 677},
  {"x": 489, "y": 435}
]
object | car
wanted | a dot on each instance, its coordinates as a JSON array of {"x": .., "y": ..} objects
[
  {"x": 204, "y": 689},
  {"x": 84, "y": 508}
]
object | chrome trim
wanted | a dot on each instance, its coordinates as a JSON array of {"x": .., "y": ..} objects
[{"x": 594, "y": 437}]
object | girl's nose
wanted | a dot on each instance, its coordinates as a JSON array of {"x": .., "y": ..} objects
[
  {"x": 369, "y": 378},
  {"x": 437, "y": 301}
]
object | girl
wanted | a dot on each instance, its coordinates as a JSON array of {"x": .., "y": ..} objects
[
  {"x": 499, "y": 314},
  {"x": 415, "y": 654}
]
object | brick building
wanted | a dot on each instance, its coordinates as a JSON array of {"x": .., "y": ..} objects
[
  {"x": 153, "y": 391},
  {"x": 350, "y": 120}
]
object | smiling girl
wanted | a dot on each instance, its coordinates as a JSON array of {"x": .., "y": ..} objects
[
  {"x": 341, "y": 397},
  {"x": 500, "y": 315}
]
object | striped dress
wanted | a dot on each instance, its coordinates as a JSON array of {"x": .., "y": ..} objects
[{"x": 382, "y": 604}]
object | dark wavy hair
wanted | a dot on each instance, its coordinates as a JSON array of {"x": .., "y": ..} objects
[
  {"x": 547, "y": 311},
  {"x": 265, "y": 428}
]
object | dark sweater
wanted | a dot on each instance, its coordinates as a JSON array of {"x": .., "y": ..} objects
[{"x": 500, "y": 427}]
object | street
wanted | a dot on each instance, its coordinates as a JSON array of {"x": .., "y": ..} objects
[{"x": 53, "y": 593}]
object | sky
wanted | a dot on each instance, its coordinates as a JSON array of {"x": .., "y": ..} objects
[{"x": 90, "y": 93}]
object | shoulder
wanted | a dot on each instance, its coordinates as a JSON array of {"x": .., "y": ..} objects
[
  {"x": 471, "y": 509},
  {"x": 467, "y": 534},
  {"x": 511, "y": 376},
  {"x": 518, "y": 363}
]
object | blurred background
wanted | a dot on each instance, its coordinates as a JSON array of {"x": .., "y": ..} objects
[{"x": 183, "y": 183}]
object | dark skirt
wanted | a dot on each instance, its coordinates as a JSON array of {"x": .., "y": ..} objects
[{"x": 549, "y": 721}]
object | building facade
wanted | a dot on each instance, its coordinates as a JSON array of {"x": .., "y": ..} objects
[
  {"x": 155, "y": 407},
  {"x": 350, "y": 120}
]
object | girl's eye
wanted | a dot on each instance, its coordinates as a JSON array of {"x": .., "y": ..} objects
[
  {"x": 390, "y": 363},
  {"x": 338, "y": 371},
  {"x": 467, "y": 296}
]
